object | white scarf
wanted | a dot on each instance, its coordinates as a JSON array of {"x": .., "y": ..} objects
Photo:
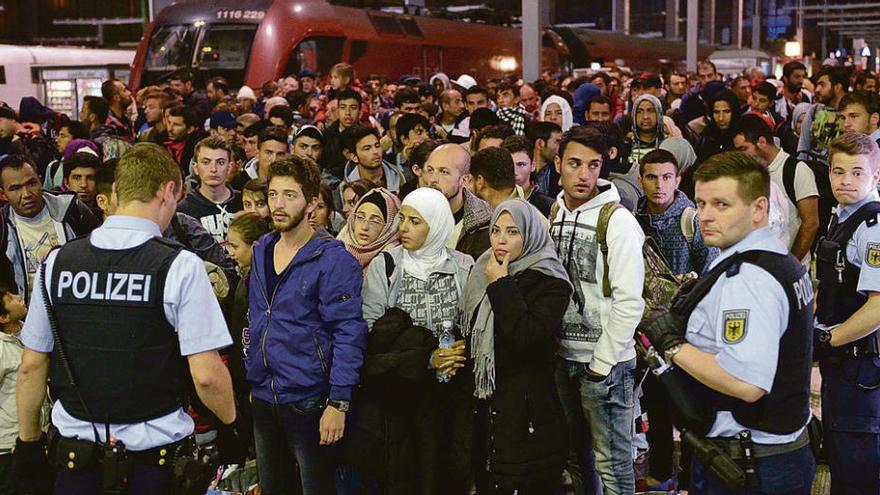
[{"x": 433, "y": 206}]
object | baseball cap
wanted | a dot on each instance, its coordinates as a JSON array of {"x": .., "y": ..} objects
[
  {"x": 311, "y": 131},
  {"x": 465, "y": 81},
  {"x": 222, "y": 119},
  {"x": 307, "y": 73}
]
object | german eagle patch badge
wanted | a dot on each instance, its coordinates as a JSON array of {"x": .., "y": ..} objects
[
  {"x": 736, "y": 325},
  {"x": 872, "y": 254}
]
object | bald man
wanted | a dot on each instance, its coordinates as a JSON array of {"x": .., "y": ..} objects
[
  {"x": 448, "y": 170},
  {"x": 530, "y": 99},
  {"x": 451, "y": 106}
]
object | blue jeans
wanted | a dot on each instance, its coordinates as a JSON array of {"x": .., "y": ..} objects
[
  {"x": 287, "y": 434},
  {"x": 599, "y": 417},
  {"x": 784, "y": 474}
]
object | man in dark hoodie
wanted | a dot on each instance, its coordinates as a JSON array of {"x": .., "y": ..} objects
[
  {"x": 721, "y": 117},
  {"x": 582, "y": 96},
  {"x": 214, "y": 203},
  {"x": 647, "y": 126}
]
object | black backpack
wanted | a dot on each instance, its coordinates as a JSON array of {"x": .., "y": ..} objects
[{"x": 827, "y": 203}]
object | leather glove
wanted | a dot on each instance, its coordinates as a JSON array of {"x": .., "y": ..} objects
[
  {"x": 30, "y": 464},
  {"x": 664, "y": 331},
  {"x": 821, "y": 344}
]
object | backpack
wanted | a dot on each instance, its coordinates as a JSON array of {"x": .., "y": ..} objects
[
  {"x": 823, "y": 185},
  {"x": 661, "y": 284}
]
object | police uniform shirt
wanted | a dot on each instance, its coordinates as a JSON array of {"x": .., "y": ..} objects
[
  {"x": 741, "y": 321},
  {"x": 863, "y": 248},
  {"x": 190, "y": 307}
]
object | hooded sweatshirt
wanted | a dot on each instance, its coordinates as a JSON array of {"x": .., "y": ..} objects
[
  {"x": 666, "y": 229},
  {"x": 564, "y": 106},
  {"x": 443, "y": 78},
  {"x": 582, "y": 96},
  {"x": 639, "y": 147},
  {"x": 215, "y": 217},
  {"x": 713, "y": 140},
  {"x": 595, "y": 329}
]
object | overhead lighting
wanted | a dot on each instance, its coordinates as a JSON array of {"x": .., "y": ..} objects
[
  {"x": 792, "y": 49},
  {"x": 199, "y": 23},
  {"x": 297, "y": 8},
  {"x": 595, "y": 66}
]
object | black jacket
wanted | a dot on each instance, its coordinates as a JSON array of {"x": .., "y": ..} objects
[{"x": 520, "y": 430}]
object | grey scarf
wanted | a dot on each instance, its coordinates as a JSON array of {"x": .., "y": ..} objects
[{"x": 538, "y": 254}]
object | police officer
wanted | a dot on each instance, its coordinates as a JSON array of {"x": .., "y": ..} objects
[
  {"x": 847, "y": 318},
  {"x": 124, "y": 304},
  {"x": 747, "y": 340}
]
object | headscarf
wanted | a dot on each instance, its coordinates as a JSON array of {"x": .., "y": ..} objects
[
  {"x": 582, "y": 96},
  {"x": 539, "y": 254},
  {"x": 388, "y": 238},
  {"x": 566, "y": 110},
  {"x": 799, "y": 109},
  {"x": 433, "y": 206},
  {"x": 682, "y": 150}
]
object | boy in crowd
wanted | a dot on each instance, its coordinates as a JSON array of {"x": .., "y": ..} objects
[
  {"x": 213, "y": 203},
  {"x": 12, "y": 316}
]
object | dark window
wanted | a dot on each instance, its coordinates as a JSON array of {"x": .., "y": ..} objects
[
  {"x": 410, "y": 27},
  {"x": 225, "y": 50},
  {"x": 358, "y": 49},
  {"x": 386, "y": 24},
  {"x": 170, "y": 48},
  {"x": 319, "y": 54},
  {"x": 2, "y": 74}
]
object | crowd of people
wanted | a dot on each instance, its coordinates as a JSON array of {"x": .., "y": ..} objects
[{"x": 435, "y": 287}]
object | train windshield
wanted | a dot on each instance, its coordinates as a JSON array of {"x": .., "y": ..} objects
[
  {"x": 220, "y": 50},
  {"x": 224, "y": 51},
  {"x": 318, "y": 53}
]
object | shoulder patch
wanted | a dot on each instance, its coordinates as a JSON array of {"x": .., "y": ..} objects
[
  {"x": 736, "y": 325},
  {"x": 872, "y": 254}
]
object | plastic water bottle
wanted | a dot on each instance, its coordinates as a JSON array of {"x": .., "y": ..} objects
[{"x": 446, "y": 340}]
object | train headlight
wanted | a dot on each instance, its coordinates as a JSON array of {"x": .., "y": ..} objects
[{"x": 503, "y": 63}]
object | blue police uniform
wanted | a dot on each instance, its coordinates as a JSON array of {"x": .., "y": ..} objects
[
  {"x": 191, "y": 309},
  {"x": 851, "y": 374},
  {"x": 743, "y": 320}
]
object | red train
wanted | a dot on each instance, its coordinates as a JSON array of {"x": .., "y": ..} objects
[{"x": 272, "y": 38}]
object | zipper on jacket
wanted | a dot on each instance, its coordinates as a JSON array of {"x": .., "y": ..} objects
[
  {"x": 320, "y": 355},
  {"x": 269, "y": 318}
]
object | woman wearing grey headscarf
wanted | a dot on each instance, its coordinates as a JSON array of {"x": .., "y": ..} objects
[{"x": 513, "y": 305}]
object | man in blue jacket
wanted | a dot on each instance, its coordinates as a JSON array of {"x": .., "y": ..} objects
[{"x": 307, "y": 336}]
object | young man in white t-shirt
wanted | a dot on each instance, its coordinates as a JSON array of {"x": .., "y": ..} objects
[{"x": 754, "y": 137}]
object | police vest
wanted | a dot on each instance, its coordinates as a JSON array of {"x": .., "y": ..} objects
[
  {"x": 838, "y": 296},
  {"x": 787, "y": 407},
  {"x": 123, "y": 352}
]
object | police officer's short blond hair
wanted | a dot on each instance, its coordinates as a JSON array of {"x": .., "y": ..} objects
[
  {"x": 752, "y": 178},
  {"x": 142, "y": 171},
  {"x": 853, "y": 144}
]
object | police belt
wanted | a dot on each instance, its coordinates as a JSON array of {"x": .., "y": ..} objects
[
  {"x": 733, "y": 446},
  {"x": 74, "y": 455},
  {"x": 858, "y": 349}
]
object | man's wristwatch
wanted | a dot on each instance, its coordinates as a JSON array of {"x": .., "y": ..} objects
[
  {"x": 671, "y": 352},
  {"x": 339, "y": 405},
  {"x": 823, "y": 336}
]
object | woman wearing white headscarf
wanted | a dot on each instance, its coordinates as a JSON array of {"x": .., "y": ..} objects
[
  {"x": 557, "y": 110},
  {"x": 513, "y": 306},
  {"x": 425, "y": 279}
]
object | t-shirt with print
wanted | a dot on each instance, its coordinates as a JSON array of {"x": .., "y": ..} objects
[
  {"x": 36, "y": 237},
  {"x": 804, "y": 187}
]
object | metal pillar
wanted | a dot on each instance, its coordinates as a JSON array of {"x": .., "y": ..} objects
[
  {"x": 672, "y": 15},
  {"x": 619, "y": 15},
  {"x": 736, "y": 28},
  {"x": 692, "y": 21},
  {"x": 756, "y": 26},
  {"x": 531, "y": 38},
  {"x": 708, "y": 20}
]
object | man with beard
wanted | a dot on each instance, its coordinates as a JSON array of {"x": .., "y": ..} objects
[
  {"x": 182, "y": 82},
  {"x": 675, "y": 89},
  {"x": 793, "y": 92},
  {"x": 79, "y": 177},
  {"x": 832, "y": 84},
  {"x": 182, "y": 136},
  {"x": 118, "y": 97},
  {"x": 305, "y": 308},
  {"x": 647, "y": 126},
  {"x": 721, "y": 117},
  {"x": 218, "y": 89},
  {"x": 447, "y": 170}
]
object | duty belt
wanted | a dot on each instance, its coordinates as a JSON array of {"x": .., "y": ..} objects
[{"x": 733, "y": 447}]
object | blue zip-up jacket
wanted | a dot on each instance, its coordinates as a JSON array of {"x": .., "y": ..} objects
[{"x": 309, "y": 337}]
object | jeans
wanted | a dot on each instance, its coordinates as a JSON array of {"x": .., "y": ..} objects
[
  {"x": 784, "y": 474},
  {"x": 287, "y": 434},
  {"x": 599, "y": 415}
]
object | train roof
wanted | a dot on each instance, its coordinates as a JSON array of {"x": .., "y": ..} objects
[{"x": 68, "y": 56}]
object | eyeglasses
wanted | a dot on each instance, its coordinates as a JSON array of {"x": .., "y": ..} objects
[{"x": 373, "y": 221}]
